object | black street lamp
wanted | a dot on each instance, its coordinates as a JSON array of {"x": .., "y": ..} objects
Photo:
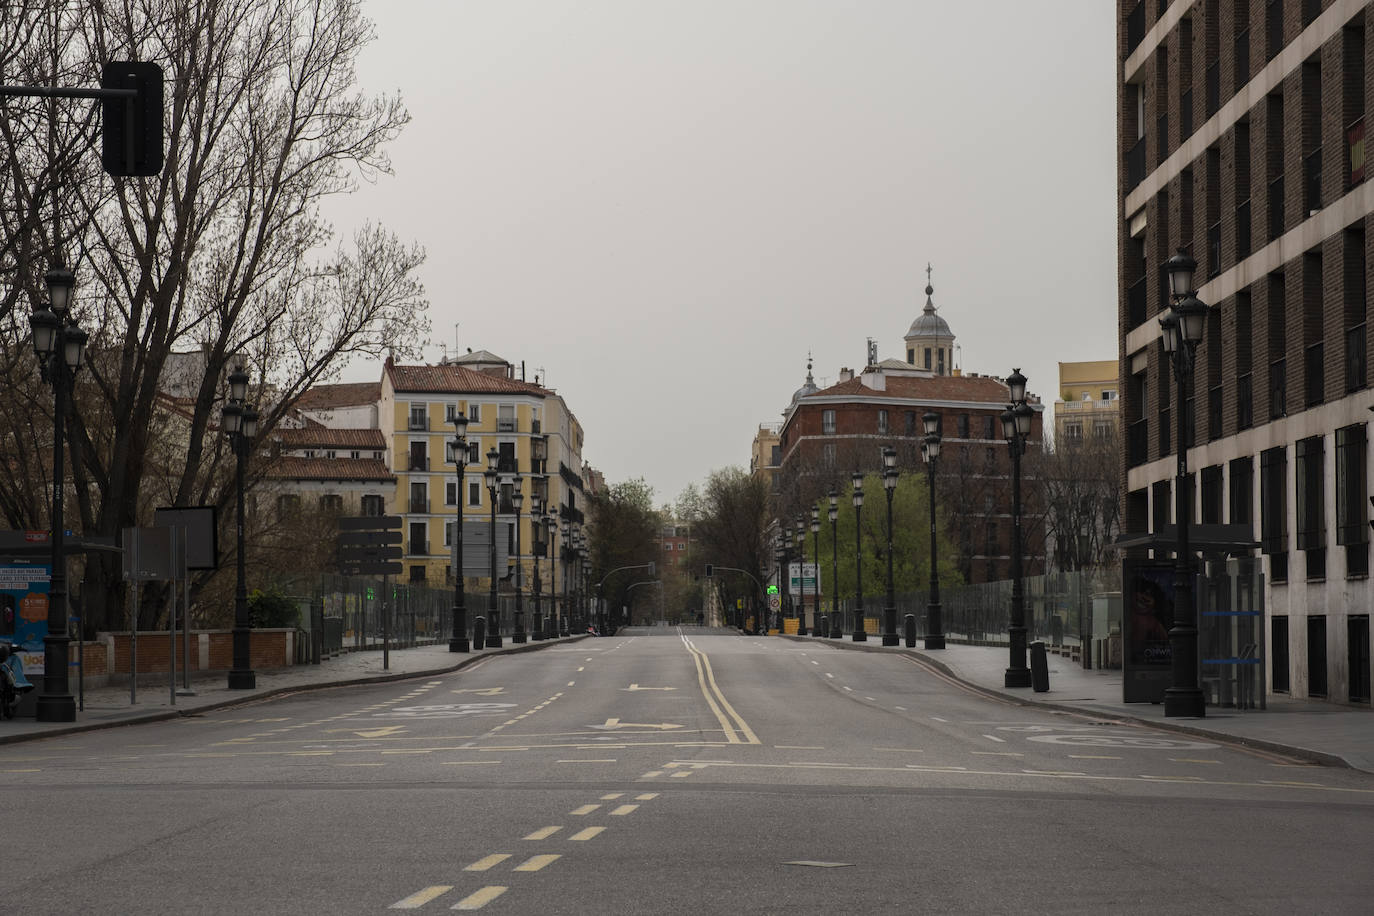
[
  {"x": 780, "y": 563},
  {"x": 890, "y": 487},
  {"x": 240, "y": 423},
  {"x": 859, "y": 634},
  {"x": 517, "y": 499},
  {"x": 58, "y": 343},
  {"x": 493, "y": 640},
  {"x": 538, "y": 544},
  {"x": 1182, "y": 330},
  {"x": 458, "y": 641},
  {"x": 815, "y": 556},
  {"x": 801, "y": 575},
  {"x": 930, "y": 448},
  {"x": 551, "y": 532},
  {"x": 569, "y": 548},
  {"x": 1016, "y": 424},
  {"x": 836, "y": 625}
]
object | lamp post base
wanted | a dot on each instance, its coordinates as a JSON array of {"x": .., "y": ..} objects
[
  {"x": 935, "y": 642},
  {"x": 459, "y": 644},
  {"x": 1017, "y": 677},
  {"x": 241, "y": 679},
  {"x": 517, "y": 637},
  {"x": 859, "y": 636},
  {"x": 56, "y": 708},
  {"x": 837, "y": 632},
  {"x": 493, "y": 640},
  {"x": 891, "y": 639},
  {"x": 1184, "y": 702}
]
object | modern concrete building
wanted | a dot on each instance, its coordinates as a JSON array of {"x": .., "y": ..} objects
[{"x": 1241, "y": 140}]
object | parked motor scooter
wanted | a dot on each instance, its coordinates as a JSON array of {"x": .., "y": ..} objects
[{"x": 13, "y": 684}]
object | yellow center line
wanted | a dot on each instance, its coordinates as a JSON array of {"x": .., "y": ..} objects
[
  {"x": 463, "y": 763},
  {"x": 1092, "y": 757},
  {"x": 479, "y": 899},
  {"x": 543, "y": 833},
  {"x": 586, "y": 834},
  {"x": 420, "y": 898},
  {"x": 534, "y": 863},
  {"x": 487, "y": 862}
]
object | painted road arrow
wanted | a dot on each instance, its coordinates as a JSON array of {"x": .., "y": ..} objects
[
  {"x": 616, "y": 723},
  {"x": 370, "y": 732}
]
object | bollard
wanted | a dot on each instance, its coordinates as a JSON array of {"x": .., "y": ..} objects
[
  {"x": 479, "y": 632},
  {"x": 911, "y": 631},
  {"x": 1040, "y": 669},
  {"x": 824, "y": 628}
]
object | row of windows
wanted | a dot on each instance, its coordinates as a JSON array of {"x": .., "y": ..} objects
[
  {"x": 333, "y": 453},
  {"x": 914, "y": 425},
  {"x": 1310, "y": 506},
  {"x": 505, "y": 416}
]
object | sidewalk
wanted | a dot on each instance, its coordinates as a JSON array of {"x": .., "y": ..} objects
[
  {"x": 1313, "y": 730},
  {"x": 107, "y": 707}
]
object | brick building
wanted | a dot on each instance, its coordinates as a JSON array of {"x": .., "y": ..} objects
[
  {"x": 1240, "y": 129},
  {"x": 829, "y": 433}
]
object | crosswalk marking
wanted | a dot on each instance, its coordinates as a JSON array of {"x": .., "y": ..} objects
[
  {"x": 543, "y": 833},
  {"x": 420, "y": 898},
  {"x": 585, "y": 809},
  {"x": 487, "y": 862},
  {"x": 623, "y": 810},
  {"x": 587, "y": 834},
  {"x": 534, "y": 863},
  {"x": 479, "y": 899}
]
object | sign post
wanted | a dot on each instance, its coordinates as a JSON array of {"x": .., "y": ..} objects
[{"x": 370, "y": 545}]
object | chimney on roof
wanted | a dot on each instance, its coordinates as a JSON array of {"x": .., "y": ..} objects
[
  {"x": 875, "y": 379},
  {"x": 846, "y": 374}
]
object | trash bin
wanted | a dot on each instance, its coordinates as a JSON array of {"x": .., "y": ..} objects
[
  {"x": 479, "y": 631},
  {"x": 1040, "y": 668},
  {"x": 910, "y": 629}
]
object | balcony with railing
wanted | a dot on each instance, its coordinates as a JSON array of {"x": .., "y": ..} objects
[
  {"x": 1214, "y": 401},
  {"x": 505, "y": 424},
  {"x": 1315, "y": 373},
  {"x": 418, "y": 463},
  {"x": 1356, "y": 367},
  {"x": 419, "y": 506},
  {"x": 1312, "y": 181},
  {"x": 1278, "y": 389},
  {"x": 1276, "y": 220},
  {"x": 1135, "y": 26},
  {"x": 1138, "y": 443},
  {"x": 1243, "y": 230},
  {"x": 419, "y": 422},
  {"x": 1245, "y": 401},
  {"x": 1135, "y": 303},
  {"x": 1135, "y": 164},
  {"x": 418, "y": 547}
]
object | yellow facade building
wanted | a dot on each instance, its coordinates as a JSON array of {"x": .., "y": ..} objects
[{"x": 1088, "y": 400}]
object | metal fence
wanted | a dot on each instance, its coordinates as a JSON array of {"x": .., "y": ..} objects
[{"x": 362, "y": 613}]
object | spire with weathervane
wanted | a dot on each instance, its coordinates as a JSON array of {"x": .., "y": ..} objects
[{"x": 929, "y": 341}]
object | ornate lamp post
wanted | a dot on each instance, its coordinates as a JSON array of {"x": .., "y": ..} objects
[
  {"x": 58, "y": 343},
  {"x": 458, "y": 641},
  {"x": 1016, "y": 424},
  {"x": 517, "y": 499},
  {"x": 836, "y": 625},
  {"x": 569, "y": 548},
  {"x": 240, "y": 424},
  {"x": 551, "y": 532},
  {"x": 1182, "y": 330},
  {"x": 801, "y": 575},
  {"x": 890, "y": 487},
  {"x": 815, "y": 556},
  {"x": 493, "y": 640},
  {"x": 780, "y": 563},
  {"x": 859, "y": 634},
  {"x": 930, "y": 448},
  {"x": 537, "y": 546}
]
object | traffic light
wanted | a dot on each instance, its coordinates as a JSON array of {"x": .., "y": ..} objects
[
  {"x": 708, "y": 570},
  {"x": 131, "y": 128}
]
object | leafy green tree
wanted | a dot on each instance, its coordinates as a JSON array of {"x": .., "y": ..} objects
[{"x": 624, "y": 527}]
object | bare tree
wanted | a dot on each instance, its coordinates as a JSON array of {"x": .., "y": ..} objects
[
  {"x": 225, "y": 253},
  {"x": 1077, "y": 487}
]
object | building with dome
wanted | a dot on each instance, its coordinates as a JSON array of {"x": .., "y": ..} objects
[{"x": 828, "y": 433}]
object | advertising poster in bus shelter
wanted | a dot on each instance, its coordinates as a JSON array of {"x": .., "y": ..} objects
[
  {"x": 24, "y": 609},
  {"x": 1147, "y": 659}
]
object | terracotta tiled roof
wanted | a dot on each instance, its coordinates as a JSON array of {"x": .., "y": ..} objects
[
  {"x": 938, "y": 388},
  {"x": 456, "y": 380},
  {"x": 288, "y": 468},
  {"x": 324, "y": 437},
  {"x": 352, "y": 394}
]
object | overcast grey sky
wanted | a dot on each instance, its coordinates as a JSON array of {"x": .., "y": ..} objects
[{"x": 665, "y": 205}]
